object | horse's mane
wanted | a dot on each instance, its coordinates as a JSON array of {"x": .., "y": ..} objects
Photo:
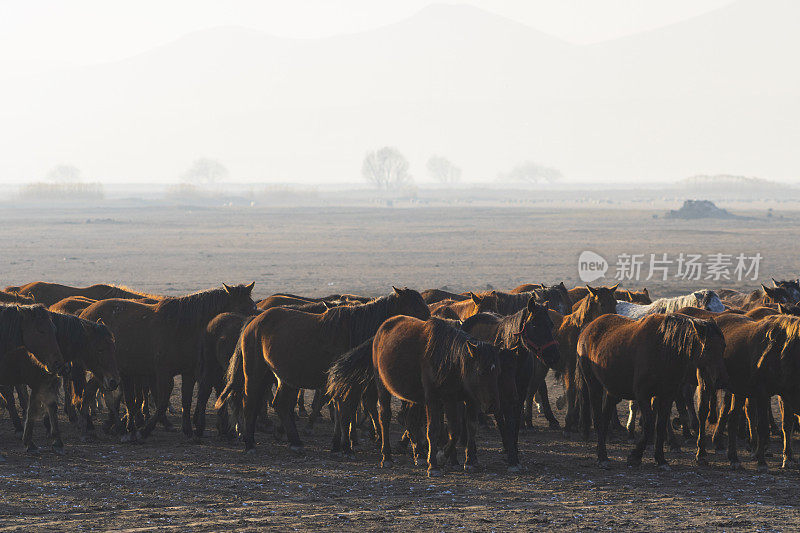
[
  {"x": 508, "y": 303},
  {"x": 72, "y": 333},
  {"x": 363, "y": 320},
  {"x": 193, "y": 308},
  {"x": 122, "y": 291},
  {"x": 509, "y": 325},
  {"x": 11, "y": 317},
  {"x": 480, "y": 318},
  {"x": 679, "y": 334},
  {"x": 446, "y": 349},
  {"x": 14, "y": 297}
]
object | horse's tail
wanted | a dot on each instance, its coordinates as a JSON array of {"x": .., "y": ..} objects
[
  {"x": 234, "y": 380},
  {"x": 351, "y": 374}
]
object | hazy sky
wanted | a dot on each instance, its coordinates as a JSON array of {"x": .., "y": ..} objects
[
  {"x": 35, "y": 34},
  {"x": 299, "y": 91}
]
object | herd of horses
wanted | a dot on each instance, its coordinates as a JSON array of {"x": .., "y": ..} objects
[{"x": 451, "y": 360}]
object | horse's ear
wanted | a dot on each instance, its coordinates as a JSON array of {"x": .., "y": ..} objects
[
  {"x": 532, "y": 304},
  {"x": 591, "y": 290},
  {"x": 472, "y": 349},
  {"x": 614, "y": 288},
  {"x": 227, "y": 288},
  {"x": 250, "y": 287},
  {"x": 475, "y": 298},
  {"x": 782, "y": 309},
  {"x": 645, "y": 292},
  {"x": 774, "y": 283},
  {"x": 327, "y": 304},
  {"x": 396, "y": 290},
  {"x": 562, "y": 285},
  {"x": 100, "y": 321}
]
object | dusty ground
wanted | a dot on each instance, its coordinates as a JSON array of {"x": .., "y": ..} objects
[{"x": 168, "y": 482}]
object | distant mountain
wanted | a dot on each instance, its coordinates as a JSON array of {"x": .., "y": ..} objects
[{"x": 715, "y": 92}]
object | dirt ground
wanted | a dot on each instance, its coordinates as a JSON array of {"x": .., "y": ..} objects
[{"x": 168, "y": 482}]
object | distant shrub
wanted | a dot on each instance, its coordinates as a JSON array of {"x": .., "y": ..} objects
[{"x": 41, "y": 190}]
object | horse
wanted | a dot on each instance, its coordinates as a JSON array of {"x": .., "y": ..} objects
[
  {"x": 529, "y": 332},
  {"x": 72, "y": 305},
  {"x": 597, "y": 302},
  {"x": 30, "y": 326},
  {"x": 432, "y": 296},
  {"x": 703, "y": 299},
  {"x": 87, "y": 346},
  {"x": 556, "y": 297},
  {"x": 155, "y": 342},
  {"x": 19, "y": 367},
  {"x": 792, "y": 287},
  {"x": 219, "y": 342},
  {"x": 767, "y": 296},
  {"x": 763, "y": 359},
  {"x": 49, "y": 293},
  {"x": 461, "y": 310},
  {"x": 298, "y": 348},
  {"x": 576, "y": 294},
  {"x": 646, "y": 359},
  {"x": 7, "y": 297}
]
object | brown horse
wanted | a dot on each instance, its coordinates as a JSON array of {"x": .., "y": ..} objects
[
  {"x": 298, "y": 348},
  {"x": 529, "y": 332},
  {"x": 31, "y": 327},
  {"x": 432, "y": 296},
  {"x": 219, "y": 343},
  {"x": 432, "y": 364},
  {"x": 20, "y": 367},
  {"x": 763, "y": 359},
  {"x": 757, "y": 313},
  {"x": 49, "y": 293},
  {"x": 766, "y": 296},
  {"x": 462, "y": 310},
  {"x": 644, "y": 360},
  {"x": 792, "y": 287},
  {"x": 157, "y": 342},
  {"x": 597, "y": 302},
  {"x": 72, "y": 305},
  {"x": 14, "y": 298},
  {"x": 555, "y": 298},
  {"x": 87, "y": 346}
]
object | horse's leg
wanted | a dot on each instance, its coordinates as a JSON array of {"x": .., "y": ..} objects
[
  {"x": 22, "y": 397},
  {"x": 129, "y": 395},
  {"x": 648, "y": 423},
  {"x": 70, "y": 392},
  {"x": 30, "y": 419},
  {"x": 704, "y": 396},
  {"x": 471, "y": 459},
  {"x": 284, "y": 402},
  {"x": 301, "y": 402},
  {"x": 609, "y": 408},
  {"x": 89, "y": 391},
  {"x": 162, "y": 390},
  {"x": 453, "y": 412},
  {"x": 723, "y": 401},
  {"x": 733, "y": 428},
  {"x": 187, "y": 391},
  {"x": 570, "y": 393},
  {"x": 51, "y": 405},
  {"x": 255, "y": 388},
  {"x": 527, "y": 413},
  {"x": 337, "y": 442},
  {"x": 751, "y": 415},
  {"x": 8, "y": 394},
  {"x": 633, "y": 408},
  {"x": 762, "y": 408},
  {"x": 546, "y": 409},
  {"x": 204, "y": 387},
  {"x": 317, "y": 403},
  {"x": 433, "y": 412},
  {"x": 664, "y": 407},
  {"x": 385, "y": 418},
  {"x": 787, "y": 427}
]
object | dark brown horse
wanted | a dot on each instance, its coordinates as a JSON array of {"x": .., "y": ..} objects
[
  {"x": 73, "y": 305},
  {"x": 14, "y": 298},
  {"x": 31, "y": 327},
  {"x": 792, "y": 287},
  {"x": 432, "y": 296},
  {"x": 555, "y": 297},
  {"x": 766, "y": 296},
  {"x": 645, "y": 360},
  {"x": 19, "y": 367},
  {"x": 763, "y": 359},
  {"x": 529, "y": 332},
  {"x": 157, "y": 342},
  {"x": 298, "y": 348}
]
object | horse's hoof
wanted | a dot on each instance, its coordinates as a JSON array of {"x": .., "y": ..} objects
[
  {"x": 664, "y": 467},
  {"x": 514, "y": 469},
  {"x": 634, "y": 461},
  {"x": 127, "y": 438},
  {"x": 470, "y": 468},
  {"x": 605, "y": 464},
  {"x": 763, "y": 468},
  {"x": 434, "y": 472},
  {"x": 297, "y": 448},
  {"x": 250, "y": 451},
  {"x": 348, "y": 455},
  {"x": 387, "y": 463},
  {"x": 701, "y": 460}
]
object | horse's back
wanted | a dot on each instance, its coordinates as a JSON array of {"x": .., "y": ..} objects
[{"x": 397, "y": 352}]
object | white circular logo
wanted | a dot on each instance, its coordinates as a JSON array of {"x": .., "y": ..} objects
[{"x": 591, "y": 266}]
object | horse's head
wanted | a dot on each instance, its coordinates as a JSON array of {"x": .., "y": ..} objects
[
  {"x": 240, "y": 299},
  {"x": 781, "y": 357},
  {"x": 792, "y": 287},
  {"x": 536, "y": 335},
  {"x": 641, "y": 297},
  {"x": 556, "y": 297},
  {"x": 601, "y": 301},
  {"x": 102, "y": 355},
  {"x": 39, "y": 337},
  {"x": 776, "y": 295},
  {"x": 486, "y": 303},
  {"x": 482, "y": 373},
  {"x": 708, "y": 351},
  {"x": 789, "y": 309},
  {"x": 410, "y": 303},
  {"x": 707, "y": 299}
]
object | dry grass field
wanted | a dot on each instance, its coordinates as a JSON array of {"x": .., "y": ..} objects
[{"x": 168, "y": 482}]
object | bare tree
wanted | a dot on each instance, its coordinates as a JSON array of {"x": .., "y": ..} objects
[
  {"x": 64, "y": 174},
  {"x": 532, "y": 172},
  {"x": 205, "y": 171},
  {"x": 441, "y": 169},
  {"x": 386, "y": 168}
]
